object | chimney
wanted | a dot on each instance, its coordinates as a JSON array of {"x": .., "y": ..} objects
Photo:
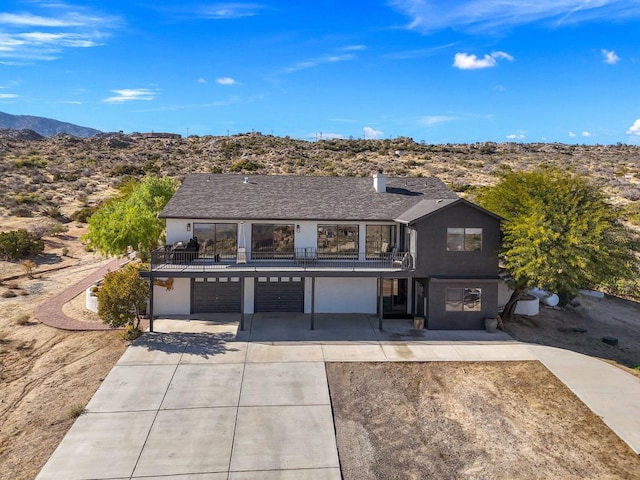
[{"x": 380, "y": 182}]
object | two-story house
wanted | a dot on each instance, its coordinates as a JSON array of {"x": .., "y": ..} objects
[{"x": 386, "y": 246}]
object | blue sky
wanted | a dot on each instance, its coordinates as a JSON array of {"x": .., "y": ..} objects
[{"x": 443, "y": 72}]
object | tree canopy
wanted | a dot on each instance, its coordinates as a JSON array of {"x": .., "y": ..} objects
[
  {"x": 559, "y": 233},
  {"x": 131, "y": 219},
  {"x": 122, "y": 296}
]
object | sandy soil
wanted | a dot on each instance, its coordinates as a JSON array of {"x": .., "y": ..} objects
[
  {"x": 450, "y": 420},
  {"x": 45, "y": 373},
  {"x": 562, "y": 327}
]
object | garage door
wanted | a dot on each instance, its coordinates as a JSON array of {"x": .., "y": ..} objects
[
  {"x": 279, "y": 294},
  {"x": 215, "y": 295}
]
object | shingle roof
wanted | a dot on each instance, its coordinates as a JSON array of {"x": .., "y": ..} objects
[{"x": 225, "y": 196}]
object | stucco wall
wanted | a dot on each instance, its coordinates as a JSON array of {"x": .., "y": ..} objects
[
  {"x": 439, "y": 319},
  {"x": 433, "y": 259},
  {"x": 173, "y": 302},
  {"x": 346, "y": 295}
]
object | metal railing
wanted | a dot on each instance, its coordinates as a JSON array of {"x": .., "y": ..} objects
[{"x": 299, "y": 258}]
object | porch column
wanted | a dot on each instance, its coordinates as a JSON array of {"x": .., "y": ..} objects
[
  {"x": 242, "y": 280},
  {"x": 380, "y": 302},
  {"x": 151, "y": 303},
  {"x": 313, "y": 302}
]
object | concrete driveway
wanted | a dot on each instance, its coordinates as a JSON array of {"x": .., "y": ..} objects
[{"x": 213, "y": 405}]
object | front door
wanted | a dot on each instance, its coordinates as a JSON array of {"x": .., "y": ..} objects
[{"x": 394, "y": 297}]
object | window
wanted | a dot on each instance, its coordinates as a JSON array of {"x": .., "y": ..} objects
[
  {"x": 463, "y": 300},
  {"x": 271, "y": 241},
  {"x": 464, "y": 239},
  {"x": 338, "y": 240},
  {"x": 380, "y": 239},
  {"x": 217, "y": 239}
]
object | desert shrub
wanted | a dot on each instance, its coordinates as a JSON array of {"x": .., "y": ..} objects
[
  {"x": 51, "y": 211},
  {"x": 9, "y": 294},
  {"x": 28, "y": 198},
  {"x": 57, "y": 229},
  {"x": 22, "y": 319},
  {"x": 77, "y": 410},
  {"x": 65, "y": 252},
  {"x": 245, "y": 165},
  {"x": 84, "y": 214},
  {"x": 129, "y": 170},
  {"x": 17, "y": 244},
  {"x": 30, "y": 163},
  {"x": 21, "y": 211},
  {"x": 28, "y": 266}
]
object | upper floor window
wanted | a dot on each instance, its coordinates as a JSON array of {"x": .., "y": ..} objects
[
  {"x": 463, "y": 300},
  {"x": 272, "y": 240},
  {"x": 338, "y": 240},
  {"x": 464, "y": 239},
  {"x": 380, "y": 239},
  {"x": 217, "y": 239}
]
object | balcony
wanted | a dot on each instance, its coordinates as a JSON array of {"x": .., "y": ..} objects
[{"x": 301, "y": 259}]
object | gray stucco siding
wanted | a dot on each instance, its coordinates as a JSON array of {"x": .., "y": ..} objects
[
  {"x": 438, "y": 318},
  {"x": 433, "y": 259}
]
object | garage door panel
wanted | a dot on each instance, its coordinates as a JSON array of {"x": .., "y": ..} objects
[
  {"x": 216, "y": 297},
  {"x": 279, "y": 294}
]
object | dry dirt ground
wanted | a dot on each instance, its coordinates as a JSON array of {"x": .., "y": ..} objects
[
  {"x": 563, "y": 327},
  {"x": 46, "y": 375},
  {"x": 451, "y": 420}
]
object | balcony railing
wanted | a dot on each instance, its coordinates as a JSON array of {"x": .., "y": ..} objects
[{"x": 298, "y": 259}]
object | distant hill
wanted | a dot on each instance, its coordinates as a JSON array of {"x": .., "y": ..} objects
[{"x": 46, "y": 127}]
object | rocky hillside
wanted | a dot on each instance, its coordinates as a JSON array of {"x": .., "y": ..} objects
[
  {"x": 43, "y": 126},
  {"x": 66, "y": 172}
]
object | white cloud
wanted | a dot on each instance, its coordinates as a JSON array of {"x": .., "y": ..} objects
[
  {"x": 129, "y": 94},
  {"x": 371, "y": 133},
  {"x": 226, "y": 81},
  {"x": 635, "y": 128},
  {"x": 431, "y": 120},
  {"x": 465, "y": 61},
  {"x": 315, "y": 62},
  {"x": 491, "y": 15},
  {"x": 353, "y": 48},
  {"x": 201, "y": 80},
  {"x": 516, "y": 136},
  {"x": 226, "y": 11},
  {"x": 573, "y": 134},
  {"x": 5, "y": 96},
  {"x": 587, "y": 134},
  {"x": 47, "y": 33},
  {"x": 610, "y": 56}
]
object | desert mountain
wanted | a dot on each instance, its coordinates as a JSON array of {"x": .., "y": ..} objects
[{"x": 43, "y": 126}]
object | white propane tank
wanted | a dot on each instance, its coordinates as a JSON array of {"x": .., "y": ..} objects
[{"x": 546, "y": 298}]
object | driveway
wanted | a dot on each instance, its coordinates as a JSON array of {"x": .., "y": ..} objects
[{"x": 214, "y": 405}]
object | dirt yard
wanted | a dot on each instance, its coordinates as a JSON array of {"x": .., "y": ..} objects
[
  {"x": 563, "y": 327},
  {"x": 46, "y": 375},
  {"x": 450, "y": 420}
]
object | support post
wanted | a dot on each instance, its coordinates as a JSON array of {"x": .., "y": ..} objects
[
  {"x": 313, "y": 302},
  {"x": 242, "y": 280},
  {"x": 151, "y": 303},
  {"x": 380, "y": 302}
]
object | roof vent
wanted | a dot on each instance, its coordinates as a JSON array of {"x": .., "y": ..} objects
[
  {"x": 246, "y": 180},
  {"x": 380, "y": 182}
]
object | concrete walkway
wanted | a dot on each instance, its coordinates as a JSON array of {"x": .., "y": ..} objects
[
  {"x": 210, "y": 406},
  {"x": 50, "y": 311}
]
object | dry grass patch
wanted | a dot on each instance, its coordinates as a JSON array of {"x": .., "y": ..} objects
[{"x": 445, "y": 420}]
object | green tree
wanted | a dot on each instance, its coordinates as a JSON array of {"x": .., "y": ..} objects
[
  {"x": 559, "y": 234},
  {"x": 122, "y": 297},
  {"x": 131, "y": 219}
]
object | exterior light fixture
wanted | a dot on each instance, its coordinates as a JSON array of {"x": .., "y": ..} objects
[
  {"x": 298, "y": 228},
  {"x": 188, "y": 227}
]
